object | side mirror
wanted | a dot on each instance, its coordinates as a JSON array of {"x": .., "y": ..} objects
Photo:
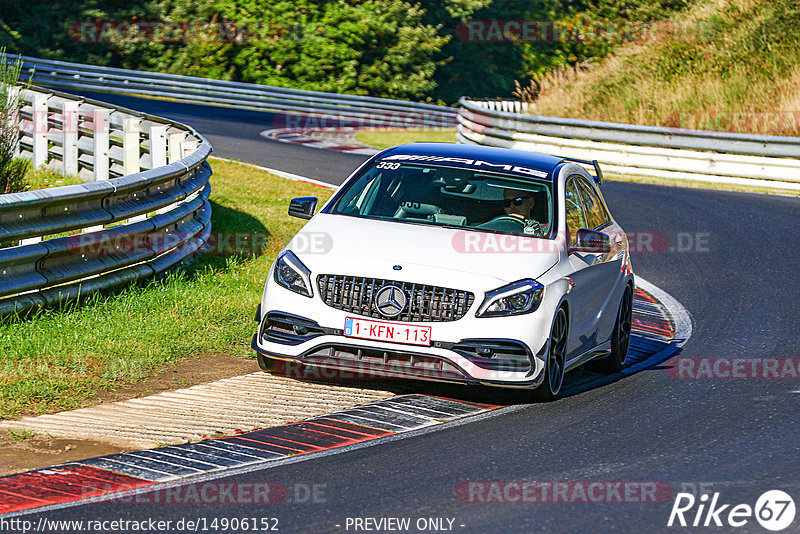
[
  {"x": 303, "y": 207},
  {"x": 591, "y": 241}
]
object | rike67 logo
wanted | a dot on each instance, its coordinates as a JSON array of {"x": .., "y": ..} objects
[{"x": 774, "y": 510}]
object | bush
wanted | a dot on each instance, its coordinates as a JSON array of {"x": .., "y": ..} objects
[
  {"x": 12, "y": 174},
  {"x": 12, "y": 171}
]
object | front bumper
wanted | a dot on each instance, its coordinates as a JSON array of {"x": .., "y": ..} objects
[{"x": 302, "y": 341}]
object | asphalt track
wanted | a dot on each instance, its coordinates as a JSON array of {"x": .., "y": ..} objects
[{"x": 738, "y": 437}]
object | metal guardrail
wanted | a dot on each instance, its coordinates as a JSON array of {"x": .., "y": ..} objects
[
  {"x": 361, "y": 110},
  {"x": 146, "y": 209},
  {"x": 682, "y": 154}
]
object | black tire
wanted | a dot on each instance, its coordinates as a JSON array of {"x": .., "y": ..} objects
[
  {"x": 621, "y": 337},
  {"x": 556, "y": 359}
]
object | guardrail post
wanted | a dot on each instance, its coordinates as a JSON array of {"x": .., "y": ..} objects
[
  {"x": 187, "y": 147},
  {"x": 178, "y": 149},
  {"x": 158, "y": 146},
  {"x": 39, "y": 133},
  {"x": 131, "y": 152},
  {"x": 101, "y": 127},
  {"x": 174, "y": 141},
  {"x": 130, "y": 145},
  {"x": 174, "y": 153},
  {"x": 100, "y": 130},
  {"x": 69, "y": 129}
]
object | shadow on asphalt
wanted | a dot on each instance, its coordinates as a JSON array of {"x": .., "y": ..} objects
[{"x": 577, "y": 381}]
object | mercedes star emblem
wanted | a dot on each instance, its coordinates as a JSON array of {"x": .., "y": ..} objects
[{"x": 391, "y": 301}]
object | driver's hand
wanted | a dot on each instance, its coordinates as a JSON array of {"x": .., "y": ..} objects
[{"x": 532, "y": 227}]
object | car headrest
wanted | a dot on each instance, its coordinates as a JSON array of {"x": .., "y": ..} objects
[{"x": 416, "y": 210}]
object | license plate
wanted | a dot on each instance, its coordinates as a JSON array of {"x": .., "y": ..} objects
[{"x": 383, "y": 331}]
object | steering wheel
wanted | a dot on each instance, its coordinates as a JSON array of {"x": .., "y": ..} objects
[{"x": 514, "y": 224}]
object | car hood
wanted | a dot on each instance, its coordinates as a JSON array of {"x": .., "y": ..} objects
[{"x": 448, "y": 257}]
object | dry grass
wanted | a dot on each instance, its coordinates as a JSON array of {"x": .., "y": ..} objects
[
  {"x": 727, "y": 65},
  {"x": 699, "y": 184}
]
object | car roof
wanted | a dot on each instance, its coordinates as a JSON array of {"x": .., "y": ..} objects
[{"x": 493, "y": 156}]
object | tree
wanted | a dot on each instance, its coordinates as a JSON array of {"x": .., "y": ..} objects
[{"x": 377, "y": 48}]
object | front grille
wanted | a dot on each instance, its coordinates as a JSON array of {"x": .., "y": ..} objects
[{"x": 356, "y": 294}]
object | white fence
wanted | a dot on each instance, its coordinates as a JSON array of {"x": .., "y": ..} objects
[
  {"x": 143, "y": 209},
  {"x": 81, "y": 137}
]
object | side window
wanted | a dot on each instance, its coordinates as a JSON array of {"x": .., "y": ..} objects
[
  {"x": 594, "y": 206},
  {"x": 573, "y": 210}
]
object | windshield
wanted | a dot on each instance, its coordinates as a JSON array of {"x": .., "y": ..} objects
[{"x": 422, "y": 193}]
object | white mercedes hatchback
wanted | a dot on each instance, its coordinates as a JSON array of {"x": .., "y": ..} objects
[{"x": 456, "y": 263}]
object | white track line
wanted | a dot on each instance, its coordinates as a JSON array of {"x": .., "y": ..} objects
[{"x": 282, "y": 174}]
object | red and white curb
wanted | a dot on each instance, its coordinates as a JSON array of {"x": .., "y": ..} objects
[
  {"x": 110, "y": 474},
  {"x": 303, "y": 136},
  {"x": 654, "y": 332}
]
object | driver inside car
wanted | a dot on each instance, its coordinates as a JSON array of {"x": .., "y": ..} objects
[{"x": 519, "y": 204}]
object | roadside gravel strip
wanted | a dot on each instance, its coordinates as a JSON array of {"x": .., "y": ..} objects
[
  {"x": 258, "y": 400},
  {"x": 242, "y": 403}
]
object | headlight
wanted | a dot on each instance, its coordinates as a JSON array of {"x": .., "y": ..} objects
[
  {"x": 292, "y": 274},
  {"x": 514, "y": 299}
]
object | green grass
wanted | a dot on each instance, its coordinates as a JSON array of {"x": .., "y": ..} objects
[
  {"x": 22, "y": 435},
  {"x": 60, "y": 359},
  {"x": 44, "y": 178},
  {"x": 383, "y": 138}
]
